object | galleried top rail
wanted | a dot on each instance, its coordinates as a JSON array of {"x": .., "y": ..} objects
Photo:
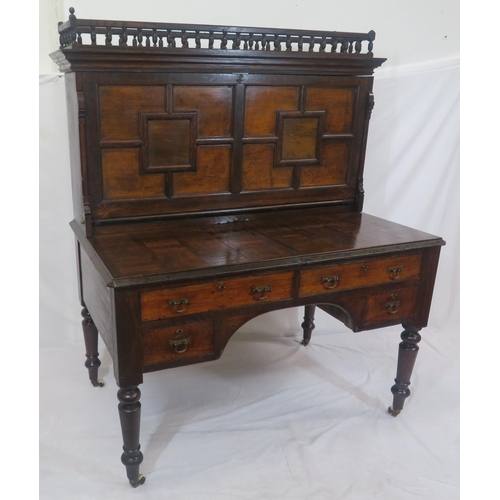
[{"x": 91, "y": 32}]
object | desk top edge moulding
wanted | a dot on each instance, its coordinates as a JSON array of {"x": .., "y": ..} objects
[{"x": 217, "y": 174}]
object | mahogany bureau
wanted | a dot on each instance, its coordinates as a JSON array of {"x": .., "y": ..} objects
[{"x": 217, "y": 175}]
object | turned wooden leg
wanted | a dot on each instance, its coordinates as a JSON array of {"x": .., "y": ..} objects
[
  {"x": 308, "y": 324},
  {"x": 91, "y": 336},
  {"x": 129, "y": 409},
  {"x": 408, "y": 350}
]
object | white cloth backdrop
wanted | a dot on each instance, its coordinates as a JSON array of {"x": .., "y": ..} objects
[{"x": 271, "y": 419}]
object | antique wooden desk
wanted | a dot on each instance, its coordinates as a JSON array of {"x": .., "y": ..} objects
[{"x": 218, "y": 175}]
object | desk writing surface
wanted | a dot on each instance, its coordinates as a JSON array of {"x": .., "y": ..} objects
[{"x": 157, "y": 251}]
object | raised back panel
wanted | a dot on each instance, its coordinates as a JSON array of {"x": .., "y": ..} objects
[
  {"x": 179, "y": 143},
  {"x": 183, "y": 119},
  {"x": 196, "y": 119}
]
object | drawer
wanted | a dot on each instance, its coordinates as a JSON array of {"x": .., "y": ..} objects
[
  {"x": 177, "y": 342},
  {"x": 353, "y": 275},
  {"x": 390, "y": 305},
  {"x": 192, "y": 299}
]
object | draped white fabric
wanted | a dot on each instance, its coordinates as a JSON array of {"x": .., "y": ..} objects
[{"x": 271, "y": 419}]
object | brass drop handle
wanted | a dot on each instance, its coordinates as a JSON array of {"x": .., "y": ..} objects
[
  {"x": 179, "y": 305},
  {"x": 392, "y": 307},
  {"x": 180, "y": 345},
  {"x": 394, "y": 272},
  {"x": 261, "y": 292},
  {"x": 330, "y": 281}
]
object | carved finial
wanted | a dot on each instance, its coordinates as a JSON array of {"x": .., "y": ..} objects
[
  {"x": 370, "y": 103},
  {"x": 72, "y": 20}
]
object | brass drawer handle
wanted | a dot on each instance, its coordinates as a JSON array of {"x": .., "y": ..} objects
[
  {"x": 392, "y": 307},
  {"x": 260, "y": 293},
  {"x": 180, "y": 345},
  {"x": 330, "y": 282},
  {"x": 176, "y": 303},
  {"x": 394, "y": 272}
]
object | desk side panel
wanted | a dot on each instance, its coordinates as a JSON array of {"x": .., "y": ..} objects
[
  {"x": 430, "y": 259},
  {"x": 98, "y": 299},
  {"x": 116, "y": 313}
]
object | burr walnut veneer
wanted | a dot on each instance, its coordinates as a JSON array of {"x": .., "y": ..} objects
[{"x": 218, "y": 175}]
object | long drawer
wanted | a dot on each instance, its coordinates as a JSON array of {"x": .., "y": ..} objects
[
  {"x": 320, "y": 280},
  {"x": 204, "y": 297}
]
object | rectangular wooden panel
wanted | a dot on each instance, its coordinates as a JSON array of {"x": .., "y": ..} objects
[
  {"x": 177, "y": 342},
  {"x": 259, "y": 171},
  {"x": 213, "y": 105},
  {"x": 261, "y": 104},
  {"x": 363, "y": 273},
  {"x": 191, "y": 299},
  {"x": 338, "y": 102},
  {"x": 333, "y": 168},
  {"x": 213, "y": 165},
  {"x": 120, "y": 105},
  {"x": 122, "y": 177}
]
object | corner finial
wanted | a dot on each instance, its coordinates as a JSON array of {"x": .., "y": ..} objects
[{"x": 72, "y": 17}]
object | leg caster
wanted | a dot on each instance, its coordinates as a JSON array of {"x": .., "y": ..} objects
[
  {"x": 141, "y": 480},
  {"x": 392, "y": 411},
  {"x": 308, "y": 324},
  {"x": 129, "y": 409},
  {"x": 408, "y": 350},
  {"x": 90, "y": 336}
]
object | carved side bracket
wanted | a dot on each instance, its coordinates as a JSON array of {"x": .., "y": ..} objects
[
  {"x": 370, "y": 103},
  {"x": 87, "y": 214}
]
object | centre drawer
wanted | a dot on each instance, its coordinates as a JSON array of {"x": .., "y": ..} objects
[
  {"x": 192, "y": 299},
  {"x": 362, "y": 273}
]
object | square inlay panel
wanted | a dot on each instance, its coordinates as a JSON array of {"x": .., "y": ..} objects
[
  {"x": 299, "y": 136},
  {"x": 168, "y": 142}
]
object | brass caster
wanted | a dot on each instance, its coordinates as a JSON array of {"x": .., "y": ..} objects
[
  {"x": 140, "y": 480},
  {"x": 305, "y": 342},
  {"x": 393, "y": 411},
  {"x": 99, "y": 383}
]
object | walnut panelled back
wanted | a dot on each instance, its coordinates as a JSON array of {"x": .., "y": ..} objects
[
  {"x": 203, "y": 142},
  {"x": 218, "y": 175}
]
